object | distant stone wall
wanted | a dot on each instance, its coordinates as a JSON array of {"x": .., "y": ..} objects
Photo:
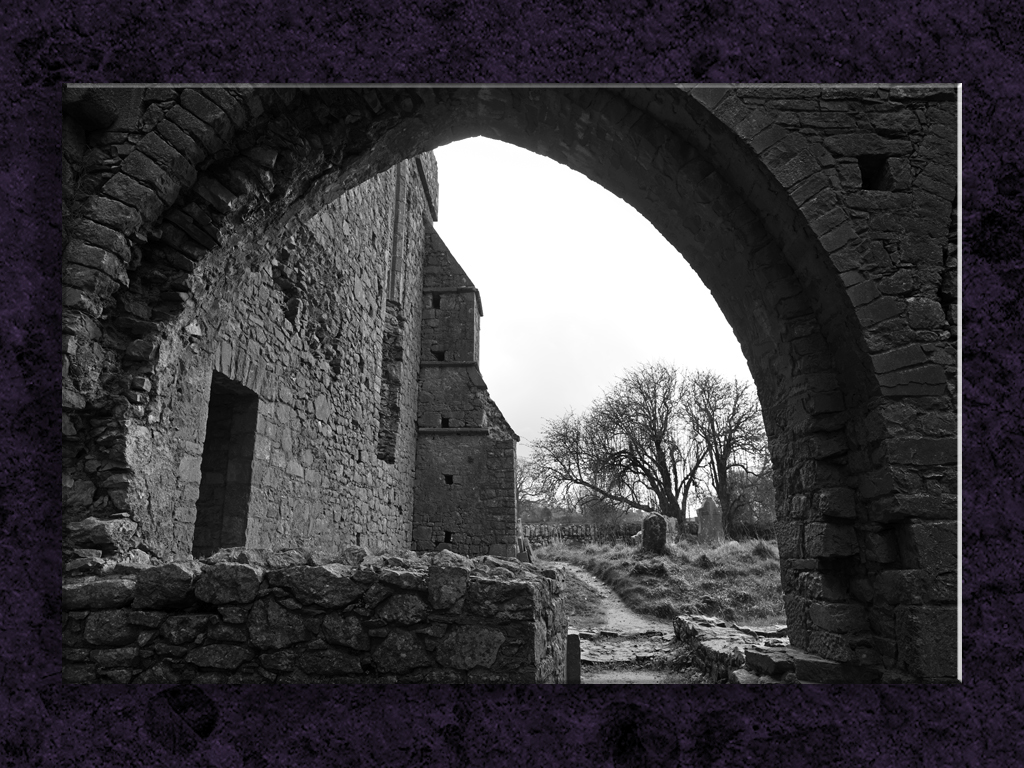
[
  {"x": 541, "y": 535},
  {"x": 253, "y": 616}
]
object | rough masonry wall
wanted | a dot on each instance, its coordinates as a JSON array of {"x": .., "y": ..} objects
[
  {"x": 262, "y": 617},
  {"x": 302, "y": 326},
  {"x": 867, "y": 520}
]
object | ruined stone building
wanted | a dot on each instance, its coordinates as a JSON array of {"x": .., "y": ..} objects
[
  {"x": 265, "y": 343},
  {"x": 315, "y": 386}
]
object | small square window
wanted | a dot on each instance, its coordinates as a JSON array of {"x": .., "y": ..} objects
[
  {"x": 449, "y": 479},
  {"x": 874, "y": 172},
  {"x": 445, "y": 422},
  {"x": 438, "y": 354}
]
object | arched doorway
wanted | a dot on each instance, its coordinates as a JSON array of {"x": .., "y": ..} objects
[{"x": 821, "y": 220}]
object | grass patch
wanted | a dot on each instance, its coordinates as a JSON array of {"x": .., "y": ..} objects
[
  {"x": 737, "y": 581},
  {"x": 582, "y": 603}
]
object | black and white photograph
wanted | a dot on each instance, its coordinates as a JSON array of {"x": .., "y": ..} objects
[{"x": 707, "y": 431}]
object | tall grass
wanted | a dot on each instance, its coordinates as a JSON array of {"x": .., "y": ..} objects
[{"x": 737, "y": 581}]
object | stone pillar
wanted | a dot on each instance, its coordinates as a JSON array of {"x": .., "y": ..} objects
[
  {"x": 572, "y": 658},
  {"x": 654, "y": 534},
  {"x": 709, "y": 524}
]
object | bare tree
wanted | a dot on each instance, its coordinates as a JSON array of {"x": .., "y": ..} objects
[
  {"x": 629, "y": 449},
  {"x": 726, "y": 418}
]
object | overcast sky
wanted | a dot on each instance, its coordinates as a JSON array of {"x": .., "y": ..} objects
[{"x": 577, "y": 286}]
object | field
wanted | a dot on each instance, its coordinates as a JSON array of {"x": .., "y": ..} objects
[{"x": 737, "y": 581}]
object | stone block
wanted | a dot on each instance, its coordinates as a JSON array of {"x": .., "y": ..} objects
[
  {"x": 185, "y": 628},
  {"x": 402, "y": 609},
  {"x": 96, "y": 593},
  {"x": 842, "y": 618},
  {"x": 219, "y": 656},
  {"x": 924, "y": 450},
  {"x": 815, "y": 669},
  {"x": 654, "y": 531},
  {"x": 446, "y": 585},
  {"x": 927, "y": 637},
  {"x": 837, "y": 502},
  {"x": 789, "y": 536},
  {"x": 329, "y": 662},
  {"x": 327, "y": 586},
  {"x": 830, "y": 540},
  {"x": 274, "y": 627},
  {"x": 165, "y": 585},
  {"x": 931, "y": 546},
  {"x": 345, "y": 630},
  {"x": 400, "y": 652},
  {"x": 110, "y": 628},
  {"x": 222, "y": 583},
  {"x": 769, "y": 660},
  {"x": 468, "y": 647},
  {"x": 572, "y": 658}
]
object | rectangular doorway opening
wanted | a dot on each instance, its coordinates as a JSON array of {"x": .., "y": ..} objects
[{"x": 222, "y": 510}]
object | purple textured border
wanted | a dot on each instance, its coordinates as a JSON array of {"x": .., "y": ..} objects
[{"x": 47, "y": 723}]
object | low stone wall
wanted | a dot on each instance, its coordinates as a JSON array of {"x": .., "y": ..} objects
[
  {"x": 252, "y": 616},
  {"x": 541, "y": 535}
]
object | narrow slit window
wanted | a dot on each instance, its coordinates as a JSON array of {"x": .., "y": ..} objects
[
  {"x": 435, "y": 301},
  {"x": 447, "y": 537},
  {"x": 445, "y": 422}
]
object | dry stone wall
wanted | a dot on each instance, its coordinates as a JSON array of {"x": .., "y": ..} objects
[
  {"x": 541, "y": 535},
  {"x": 258, "y": 617}
]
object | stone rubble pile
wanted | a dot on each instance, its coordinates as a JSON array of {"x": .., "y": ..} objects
[{"x": 729, "y": 652}]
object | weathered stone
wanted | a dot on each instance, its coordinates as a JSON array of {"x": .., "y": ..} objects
[
  {"x": 929, "y": 545},
  {"x": 91, "y": 592},
  {"x": 271, "y": 626},
  {"x": 927, "y": 640},
  {"x": 446, "y": 585},
  {"x": 814, "y": 669},
  {"x": 222, "y": 583},
  {"x": 769, "y": 661},
  {"x": 710, "y": 532},
  {"x": 402, "y": 609},
  {"x": 165, "y": 585},
  {"x": 399, "y": 653},
  {"x": 100, "y": 533},
  {"x": 466, "y": 647},
  {"x": 328, "y": 586},
  {"x": 345, "y": 630},
  {"x": 110, "y": 628},
  {"x": 654, "y": 530},
  {"x": 184, "y": 629},
  {"x": 329, "y": 663},
  {"x": 219, "y": 656},
  {"x": 839, "y": 617},
  {"x": 829, "y": 540}
]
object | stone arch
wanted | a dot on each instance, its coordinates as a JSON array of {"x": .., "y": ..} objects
[{"x": 853, "y": 353}]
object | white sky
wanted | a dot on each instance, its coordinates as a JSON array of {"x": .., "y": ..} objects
[{"x": 576, "y": 285}]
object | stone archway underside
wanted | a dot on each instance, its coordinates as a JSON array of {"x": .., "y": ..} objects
[{"x": 821, "y": 219}]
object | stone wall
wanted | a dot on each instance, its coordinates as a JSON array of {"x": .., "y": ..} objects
[
  {"x": 465, "y": 454},
  {"x": 252, "y": 616},
  {"x": 297, "y": 318},
  {"x": 541, "y": 535}
]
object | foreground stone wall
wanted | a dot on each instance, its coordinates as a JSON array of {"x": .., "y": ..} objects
[{"x": 254, "y": 616}]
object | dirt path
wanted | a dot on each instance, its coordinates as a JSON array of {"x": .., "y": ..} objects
[{"x": 625, "y": 647}]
